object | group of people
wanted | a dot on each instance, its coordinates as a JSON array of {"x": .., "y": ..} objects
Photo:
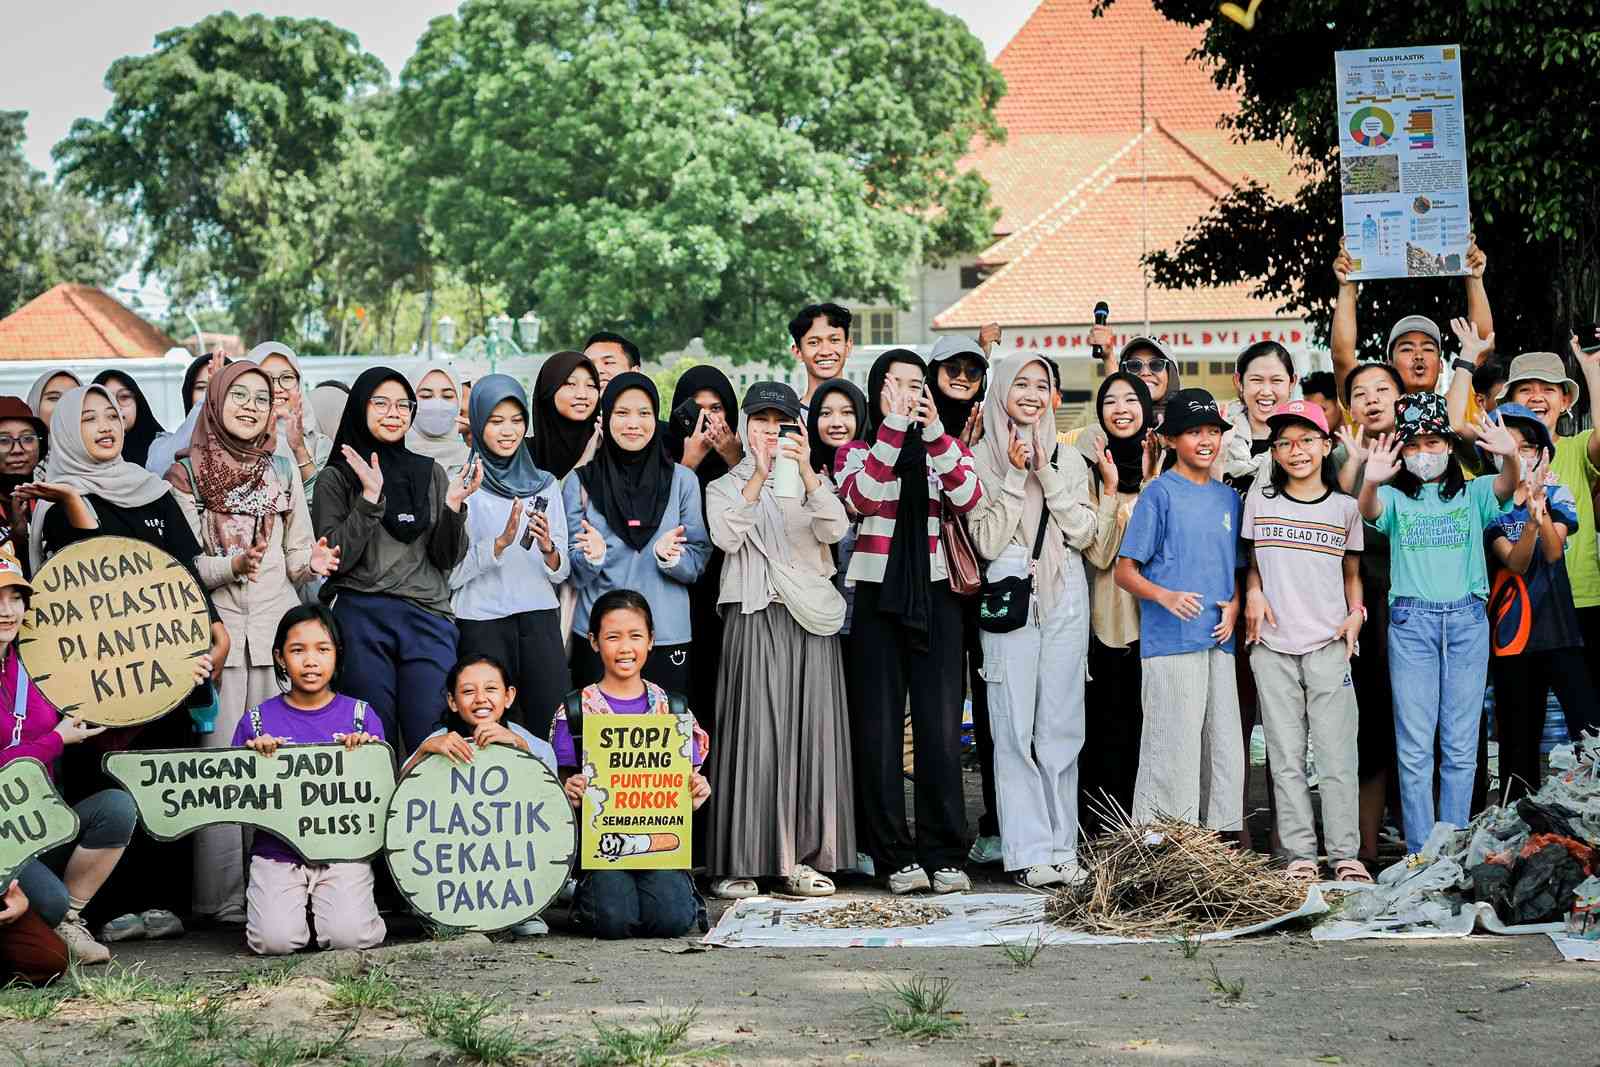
[{"x": 824, "y": 578}]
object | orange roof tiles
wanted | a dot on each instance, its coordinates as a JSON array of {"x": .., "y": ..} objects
[{"x": 78, "y": 322}]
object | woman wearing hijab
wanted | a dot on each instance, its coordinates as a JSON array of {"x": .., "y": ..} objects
[
  {"x": 503, "y": 591},
  {"x": 89, "y": 489},
  {"x": 634, "y": 522},
  {"x": 565, "y": 397},
  {"x": 436, "y": 430},
  {"x": 905, "y": 612},
  {"x": 399, "y": 523},
  {"x": 47, "y": 391},
  {"x": 782, "y": 807},
  {"x": 1035, "y": 521},
  {"x": 22, "y": 449},
  {"x": 164, "y": 449},
  {"x": 701, "y": 432},
  {"x": 139, "y": 424},
  {"x": 248, "y": 511},
  {"x": 297, "y": 434},
  {"x": 1123, "y": 456}
]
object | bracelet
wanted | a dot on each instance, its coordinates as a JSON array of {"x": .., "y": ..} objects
[{"x": 1464, "y": 365}]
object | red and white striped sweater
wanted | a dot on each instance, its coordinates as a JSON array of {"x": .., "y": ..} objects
[{"x": 871, "y": 490}]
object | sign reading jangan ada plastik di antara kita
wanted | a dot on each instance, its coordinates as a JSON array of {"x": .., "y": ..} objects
[
  {"x": 113, "y": 631},
  {"x": 637, "y": 809}
]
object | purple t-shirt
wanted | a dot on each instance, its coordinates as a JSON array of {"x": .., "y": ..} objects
[
  {"x": 294, "y": 726},
  {"x": 561, "y": 733}
]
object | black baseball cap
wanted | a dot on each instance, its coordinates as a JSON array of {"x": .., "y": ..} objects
[
  {"x": 771, "y": 396},
  {"x": 1188, "y": 408}
]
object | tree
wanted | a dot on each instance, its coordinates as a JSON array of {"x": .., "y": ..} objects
[
  {"x": 1533, "y": 127},
  {"x": 699, "y": 167},
  {"x": 238, "y": 145},
  {"x": 47, "y": 236}
]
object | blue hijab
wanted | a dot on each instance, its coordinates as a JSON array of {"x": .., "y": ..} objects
[{"x": 515, "y": 476}]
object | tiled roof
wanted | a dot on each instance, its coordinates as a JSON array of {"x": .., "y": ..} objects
[
  {"x": 78, "y": 322},
  {"x": 1069, "y": 72}
]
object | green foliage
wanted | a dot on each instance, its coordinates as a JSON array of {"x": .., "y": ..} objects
[
  {"x": 695, "y": 168},
  {"x": 31, "y": 1003},
  {"x": 655, "y": 1045},
  {"x": 1024, "y": 953},
  {"x": 465, "y": 1023},
  {"x": 1533, "y": 128},
  {"x": 369, "y": 987},
  {"x": 918, "y": 1008},
  {"x": 1231, "y": 990},
  {"x": 47, "y": 235}
]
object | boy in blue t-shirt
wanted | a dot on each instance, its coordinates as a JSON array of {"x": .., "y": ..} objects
[{"x": 1179, "y": 555}]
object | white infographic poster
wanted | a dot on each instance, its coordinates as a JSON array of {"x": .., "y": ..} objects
[{"x": 1403, "y": 161}]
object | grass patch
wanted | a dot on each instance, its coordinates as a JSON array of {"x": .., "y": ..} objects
[
  {"x": 1230, "y": 990},
  {"x": 1024, "y": 953},
  {"x": 464, "y": 1022},
  {"x": 441, "y": 932},
  {"x": 1191, "y": 945},
  {"x": 272, "y": 975},
  {"x": 31, "y": 1003},
  {"x": 286, "y": 1050},
  {"x": 654, "y": 1045},
  {"x": 368, "y": 989},
  {"x": 918, "y": 1008},
  {"x": 117, "y": 986}
]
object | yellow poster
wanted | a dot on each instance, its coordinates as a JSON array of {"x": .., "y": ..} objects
[{"x": 637, "y": 809}]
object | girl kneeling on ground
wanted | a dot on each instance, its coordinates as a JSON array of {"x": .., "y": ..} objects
[
  {"x": 619, "y": 904},
  {"x": 308, "y": 657}
]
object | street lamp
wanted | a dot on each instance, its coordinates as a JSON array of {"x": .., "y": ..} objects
[{"x": 528, "y": 326}]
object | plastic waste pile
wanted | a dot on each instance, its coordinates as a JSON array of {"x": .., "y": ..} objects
[{"x": 1525, "y": 860}]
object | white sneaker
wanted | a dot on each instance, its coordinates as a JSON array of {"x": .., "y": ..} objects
[
  {"x": 985, "y": 851},
  {"x": 81, "y": 944},
  {"x": 951, "y": 880},
  {"x": 909, "y": 879},
  {"x": 534, "y": 927},
  {"x": 1071, "y": 874},
  {"x": 1038, "y": 876}
]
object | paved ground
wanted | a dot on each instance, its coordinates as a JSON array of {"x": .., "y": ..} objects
[{"x": 1274, "y": 999}]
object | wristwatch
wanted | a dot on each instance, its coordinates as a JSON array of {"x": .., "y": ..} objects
[{"x": 1464, "y": 365}]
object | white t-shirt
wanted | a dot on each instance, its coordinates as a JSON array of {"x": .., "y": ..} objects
[{"x": 1299, "y": 549}]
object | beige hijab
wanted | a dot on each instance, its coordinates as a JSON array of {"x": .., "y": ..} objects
[
  {"x": 449, "y": 451},
  {"x": 992, "y": 462}
]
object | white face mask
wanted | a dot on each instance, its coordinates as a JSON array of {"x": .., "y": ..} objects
[
  {"x": 436, "y": 417},
  {"x": 1427, "y": 465}
]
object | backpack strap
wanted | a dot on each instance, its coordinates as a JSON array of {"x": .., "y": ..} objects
[
  {"x": 678, "y": 704},
  {"x": 194, "y": 485},
  {"x": 573, "y": 704},
  {"x": 361, "y": 716},
  {"x": 255, "y": 720}
]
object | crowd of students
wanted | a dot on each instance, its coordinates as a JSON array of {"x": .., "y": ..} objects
[{"x": 825, "y": 579}]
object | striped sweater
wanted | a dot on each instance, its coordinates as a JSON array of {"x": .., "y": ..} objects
[{"x": 871, "y": 490}]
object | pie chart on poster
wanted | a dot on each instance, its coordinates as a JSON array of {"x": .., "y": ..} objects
[{"x": 1372, "y": 127}]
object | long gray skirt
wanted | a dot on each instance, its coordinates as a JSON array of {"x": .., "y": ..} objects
[{"x": 781, "y": 790}]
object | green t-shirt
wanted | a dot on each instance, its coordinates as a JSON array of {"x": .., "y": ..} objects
[
  {"x": 1573, "y": 470},
  {"x": 1436, "y": 546}
]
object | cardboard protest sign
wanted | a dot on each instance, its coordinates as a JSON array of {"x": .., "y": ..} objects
[
  {"x": 481, "y": 845},
  {"x": 325, "y": 803},
  {"x": 33, "y": 817},
  {"x": 637, "y": 812},
  {"x": 113, "y": 631}
]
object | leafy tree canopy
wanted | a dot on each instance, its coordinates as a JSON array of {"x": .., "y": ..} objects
[
  {"x": 696, "y": 167},
  {"x": 1533, "y": 128}
]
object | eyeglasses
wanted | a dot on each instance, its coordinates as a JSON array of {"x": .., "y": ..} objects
[
  {"x": 1286, "y": 445},
  {"x": 246, "y": 399},
  {"x": 1139, "y": 366},
  {"x": 24, "y": 441},
  {"x": 286, "y": 380},
  {"x": 968, "y": 369},
  {"x": 382, "y": 404}
]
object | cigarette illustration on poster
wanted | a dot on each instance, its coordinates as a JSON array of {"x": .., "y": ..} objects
[{"x": 1403, "y": 161}]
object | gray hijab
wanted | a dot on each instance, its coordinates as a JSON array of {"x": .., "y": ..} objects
[{"x": 516, "y": 476}]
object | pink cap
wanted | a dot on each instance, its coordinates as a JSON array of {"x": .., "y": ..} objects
[{"x": 1304, "y": 410}]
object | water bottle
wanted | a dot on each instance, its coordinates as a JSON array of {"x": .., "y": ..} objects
[{"x": 786, "y": 481}]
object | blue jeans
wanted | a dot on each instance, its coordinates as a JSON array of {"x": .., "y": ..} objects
[
  {"x": 621, "y": 904},
  {"x": 105, "y": 820},
  {"x": 1438, "y": 667}
]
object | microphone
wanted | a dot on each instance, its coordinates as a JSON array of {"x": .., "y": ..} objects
[{"x": 1102, "y": 312}]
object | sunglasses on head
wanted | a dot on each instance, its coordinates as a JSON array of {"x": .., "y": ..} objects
[{"x": 1156, "y": 364}]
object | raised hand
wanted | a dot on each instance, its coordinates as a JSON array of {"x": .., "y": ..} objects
[
  {"x": 1017, "y": 451},
  {"x": 324, "y": 558},
  {"x": 1153, "y": 448},
  {"x": 725, "y": 441},
  {"x": 972, "y": 432},
  {"x": 247, "y": 564},
  {"x": 794, "y": 447},
  {"x": 291, "y": 419},
  {"x": 1343, "y": 264},
  {"x": 1587, "y": 360},
  {"x": 1354, "y": 443},
  {"x": 1477, "y": 262},
  {"x": 1494, "y": 438},
  {"x": 669, "y": 546},
  {"x": 1473, "y": 347},
  {"x": 509, "y": 534},
  {"x": 539, "y": 526},
  {"x": 927, "y": 414},
  {"x": 464, "y": 484},
  {"x": 1383, "y": 459},
  {"x": 988, "y": 335},
  {"x": 369, "y": 474},
  {"x": 591, "y": 544},
  {"x": 698, "y": 444},
  {"x": 54, "y": 492},
  {"x": 1106, "y": 467}
]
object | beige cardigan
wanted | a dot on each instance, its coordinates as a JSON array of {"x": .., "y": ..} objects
[
  {"x": 811, "y": 523},
  {"x": 997, "y": 520},
  {"x": 251, "y": 610}
]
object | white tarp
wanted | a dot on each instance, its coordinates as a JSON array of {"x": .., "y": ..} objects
[{"x": 975, "y": 919}]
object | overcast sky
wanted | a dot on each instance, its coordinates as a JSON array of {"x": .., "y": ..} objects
[{"x": 56, "y": 57}]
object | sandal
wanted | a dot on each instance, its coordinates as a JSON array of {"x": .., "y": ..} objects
[
  {"x": 805, "y": 882},
  {"x": 1351, "y": 871},
  {"x": 1301, "y": 871},
  {"x": 735, "y": 888}
]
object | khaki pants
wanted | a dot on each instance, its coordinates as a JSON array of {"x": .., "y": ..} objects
[
  {"x": 219, "y": 851},
  {"x": 341, "y": 901},
  {"x": 1191, "y": 750},
  {"x": 1311, "y": 694}
]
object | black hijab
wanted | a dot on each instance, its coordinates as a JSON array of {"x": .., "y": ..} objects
[
  {"x": 953, "y": 413},
  {"x": 705, "y": 376},
  {"x": 1127, "y": 452},
  {"x": 558, "y": 442},
  {"x": 822, "y": 453},
  {"x": 136, "y": 440},
  {"x": 631, "y": 489},
  {"x": 407, "y": 477},
  {"x": 189, "y": 377},
  {"x": 907, "y": 575}
]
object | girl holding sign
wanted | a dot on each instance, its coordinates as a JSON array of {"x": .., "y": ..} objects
[
  {"x": 248, "y": 510},
  {"x": 620, "y": 904},
  {"x": 308, "y": 660}
]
